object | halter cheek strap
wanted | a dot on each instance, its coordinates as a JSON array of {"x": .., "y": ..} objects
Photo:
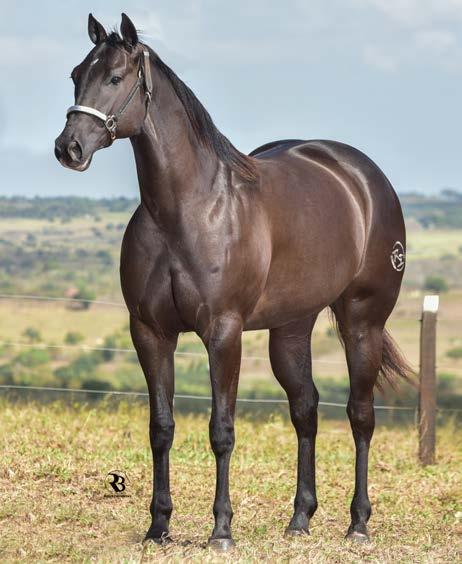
[{"x": 111, "y": 121}]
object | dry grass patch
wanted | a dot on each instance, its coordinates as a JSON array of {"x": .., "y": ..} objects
[{"x": 54, "y": 507}]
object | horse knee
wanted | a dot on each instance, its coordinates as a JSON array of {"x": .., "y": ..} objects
[
  {"x": 221, "y": 438},
  {"x": 161, "y": 434}
]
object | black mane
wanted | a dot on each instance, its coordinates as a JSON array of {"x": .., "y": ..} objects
[{"x": 204, "y": 128}]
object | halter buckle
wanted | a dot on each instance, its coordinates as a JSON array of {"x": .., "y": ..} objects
[{"x": 111, "y": 126}]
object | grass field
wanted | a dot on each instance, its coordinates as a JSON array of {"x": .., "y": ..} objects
[
  {"x": 54, "y": 506},
  {"x": 433, "y": 243}
]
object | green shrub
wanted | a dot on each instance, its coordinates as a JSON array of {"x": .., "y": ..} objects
[
  {"x": 6, "y": 374},
  {"x": 32, "y": 335},
  {"x": 86, "y": 296},
  {"x": 33, "y": 357},
  {"x": 455, "y": 353},
  {"x": 96, "y": 384},
  {"x": 110, "y": 342},
  {"x": 105, "y": 257},
  {"x": 83, "y": 367},
  {"x": 436, "y": 284},
  {"x": 73, "y": 338}
]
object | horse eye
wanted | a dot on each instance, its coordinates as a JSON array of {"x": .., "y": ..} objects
[{"x": 115, "y": 79}]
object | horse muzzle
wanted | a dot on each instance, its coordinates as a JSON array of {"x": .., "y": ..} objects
[{"x": 70, "y": 154}]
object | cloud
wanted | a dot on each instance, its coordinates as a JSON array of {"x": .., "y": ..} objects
[
  {"x": 25, "y": 51},
  {"x": 414, "y": 13},
  {"x": 382, "y": 61},
  {"x": 403, "y": 11},
  {"x": 435, "y": 40},
  {"x": 430, "y": 47}
]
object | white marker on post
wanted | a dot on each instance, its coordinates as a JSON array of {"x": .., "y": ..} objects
[{"x": 431, "y": 303}]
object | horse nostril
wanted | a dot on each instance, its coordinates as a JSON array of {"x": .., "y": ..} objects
[{"x": 74, "y": 150}]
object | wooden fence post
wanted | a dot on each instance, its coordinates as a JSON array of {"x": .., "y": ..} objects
[{"x": 427, "y": 385}]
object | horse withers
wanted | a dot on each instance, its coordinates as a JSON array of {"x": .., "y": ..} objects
[{"x": 222, "y": 243}]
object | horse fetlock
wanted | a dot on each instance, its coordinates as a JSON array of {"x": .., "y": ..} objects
[
  {"x": 161, "y": 507},
  {"x": 360, "y": 511},
  {"x": 305, "y": 503},
  {"x": 223, "y": 513}
]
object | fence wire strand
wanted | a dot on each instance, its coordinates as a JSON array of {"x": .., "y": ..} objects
[
  {"x": 132, "y": 350},
  {"x": 207, "y": 398},
  {"x": 177, "y": 353},
  {"x": 186, "y": 396},
  {"x": 33, "y": 297}
]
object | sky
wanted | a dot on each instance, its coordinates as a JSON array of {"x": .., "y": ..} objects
[{"x": 381, "y": 75}]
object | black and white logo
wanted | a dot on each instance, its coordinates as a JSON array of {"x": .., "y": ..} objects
[
  {"x": 397, "y": 256},
  {"x": 116, "y": 482}
]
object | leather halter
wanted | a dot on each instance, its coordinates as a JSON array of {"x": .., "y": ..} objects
[{"x": 111, "y": 120}]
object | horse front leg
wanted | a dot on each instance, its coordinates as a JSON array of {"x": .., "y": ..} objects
[
  {"x": 156, "y": 356},
  {"x": 224, "y": 349}
]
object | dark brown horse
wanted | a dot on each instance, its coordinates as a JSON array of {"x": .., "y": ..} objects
[{"x": 223, "y": 243}]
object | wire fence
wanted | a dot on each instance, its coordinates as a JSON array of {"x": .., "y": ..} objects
[
  {"x": 59, "y": 299},
  {"x": 205, "y": 398},
  {"x": 89, "y": 348},
  {"x": 132, "y": 350},
  {"x": 33, "y": 297}
]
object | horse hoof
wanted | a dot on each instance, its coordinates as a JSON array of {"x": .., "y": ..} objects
[
  {"x": 164, "y": 539},
  {"x": 290, "y": 533},
  {"x": 359, "y": 538},
  {"x": 221, "y": 545}
]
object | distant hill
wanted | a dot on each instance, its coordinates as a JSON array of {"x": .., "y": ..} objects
[
  {"x": 62, "y": 208},
  {"x": 443, "y": 210}
]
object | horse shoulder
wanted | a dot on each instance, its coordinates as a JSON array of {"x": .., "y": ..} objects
[{"x": 145, "y": 274}]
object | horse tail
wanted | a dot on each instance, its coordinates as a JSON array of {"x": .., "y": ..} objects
[{"x": 394, "y": 365}]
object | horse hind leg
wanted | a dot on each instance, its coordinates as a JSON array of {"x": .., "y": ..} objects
[
  {"x": 290, "y": 355},
  {"x": 369, "y": 350}
]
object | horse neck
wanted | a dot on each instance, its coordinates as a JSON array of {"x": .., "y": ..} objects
[{"x": 173, "y": 167}]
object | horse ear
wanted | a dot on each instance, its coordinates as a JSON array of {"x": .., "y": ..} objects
[
  {"x": 96, "y": 31},
  {"x": 128, "y": 31}
]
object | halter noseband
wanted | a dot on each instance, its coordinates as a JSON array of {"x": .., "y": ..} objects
[{"x": 110, "y": 121}]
